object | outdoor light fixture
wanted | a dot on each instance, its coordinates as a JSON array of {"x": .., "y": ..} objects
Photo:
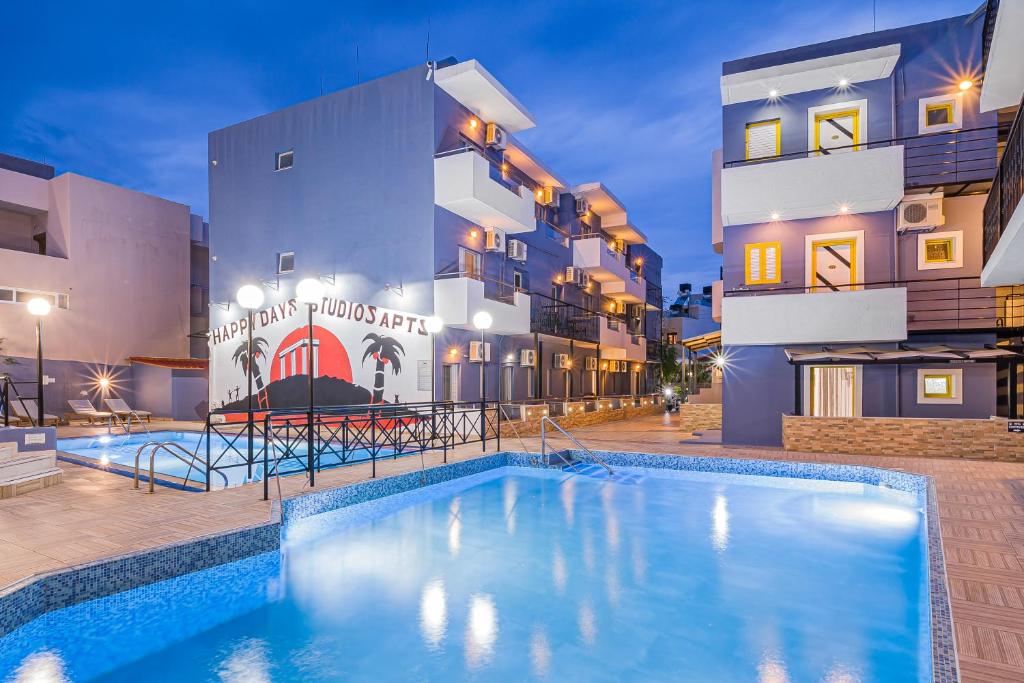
[
  {"x": 310, "y": 291},
  {"x": 453, "y": 351},
  {"x": 844, "y": 209},
  {"x": 104, "y": 383},
  {"x": 433, "y": 325},
  {"x": 775, "y": 215},
  {"x": 249, "y": 297},
  {"x": 843, "y": 82},
  {"x": 558, "y": 279},
  {"x": 473, "y": 123},
  {"x": 639, "y": 261},
  {"x": 773, "y": 93},
  {"x": 719, "y": 360},
  {"x": 482, "y": 320},
  {"x": 40, "y": 308},
  {"x": 504, "y": 168},
  {"x": 474, "y": 233},
  {"x": 539, "y": 194},
  {"x": 966, "y": 84}
]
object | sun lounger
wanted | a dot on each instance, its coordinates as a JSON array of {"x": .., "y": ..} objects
[
  {"x": 121, "y": 408},
  {"x": 27, "y": 410},
  {"x": 84, "y": 410}
]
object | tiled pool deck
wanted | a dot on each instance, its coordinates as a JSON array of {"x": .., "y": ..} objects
[{"x": 95, "y": 515}]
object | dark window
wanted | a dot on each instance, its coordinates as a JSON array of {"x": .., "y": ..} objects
[
  {"x": 284, "y": 160},
  {"x": 517, "y": 280},
  {"x": 285, "y": 262}
]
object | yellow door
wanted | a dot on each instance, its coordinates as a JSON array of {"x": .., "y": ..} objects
[
  {"x": 834, "y": 265},
  {"x": 836, "y": 132}
]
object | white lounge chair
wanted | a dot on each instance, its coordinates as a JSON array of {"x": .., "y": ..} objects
[
  {"x": 84, "y": 410},
  {"x": 121, "y": 408},
  {"x": 27, "y": 410}
]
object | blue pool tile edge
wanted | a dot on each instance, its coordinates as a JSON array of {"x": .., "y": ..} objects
[{"x": 26, "y": 601}]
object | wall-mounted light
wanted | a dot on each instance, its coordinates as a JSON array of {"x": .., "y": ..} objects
[
  {"x": 966, "y": 84},
  {"x": 639, "y": 261},
  {"x": 504, "y": 168},
  {"x": 104, "y": 383},
  {"x": 474, "y": 122},
  {"x": 539, "y": 194},
  {"x": 558, "y": 279},
  {"x": 843, "y": 82},
  {"x": 773, "y": 93},
  {"x": 844, "y": 209},
  {"x": 474, "y": 233},
  {"x": 775, "y": 215},
  {"x": 453, "y": 351}
]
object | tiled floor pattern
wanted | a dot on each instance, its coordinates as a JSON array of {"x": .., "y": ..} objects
[{"x": 981, "y": 505}]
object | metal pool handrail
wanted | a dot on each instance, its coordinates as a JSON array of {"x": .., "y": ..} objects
[
  {"x": 544, "y": 446},
  {"x": 174, "y": 449}
]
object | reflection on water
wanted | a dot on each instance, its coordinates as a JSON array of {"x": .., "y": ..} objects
[
  {"x": 433, "y": 613},
  {"x": 772, "y": 669},
  {"x": 588, "y": 550},
  {"x": 247, "y": 663},
  {"x": 587, "y": 623},
  {"x": 481, "y": 631},
  {"x": 540, "y": 652},
  {"x": 841, "y": 673},
  {"x": 510, "y": 493},
  {"x": 612, "y": 584},
  {"x": 568, "y": 498},
  {"x": 454, "y": 526},
  {"x": 42, "y": 667},
  {"x": 639, "y": 561},
  {"x": 720, "y": 523},
  {"x": 558, "y": 572}
]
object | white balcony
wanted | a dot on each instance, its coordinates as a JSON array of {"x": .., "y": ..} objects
[
  {"x": 632, "y": 289},
  {"x": 463, "y": 184},
  {"x": 864, "y": 181},
  {"x": 870, "y": 315},
  {"x": 457, "y": 300},
  {"x": 618, "y": 344},
  {"x": 605, "y": 265}
]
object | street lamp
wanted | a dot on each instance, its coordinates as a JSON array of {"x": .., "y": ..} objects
[
  {"x": 40, "y": 308},
  {"x": 482, "y": 321},
  {"x": 249, "y": 297},
  {"x": 434, "y": 325},
  {"x": 310, "y": 292}
]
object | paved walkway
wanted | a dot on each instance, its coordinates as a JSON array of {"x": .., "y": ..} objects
[{"x": 981, "y": 507}]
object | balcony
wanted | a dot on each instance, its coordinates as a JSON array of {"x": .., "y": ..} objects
[
  {"x": 1003, "y": 217},
  {"x": 604, "y": 264},
  {"x": 618, "y": 343},
  {"x": 457, "y": 298},
  {"x": 874, "y": 312},
  {"x": 631, "y": 290},
  {"x": 467, "y": 184},
  {"x": 559, "y": 319}
]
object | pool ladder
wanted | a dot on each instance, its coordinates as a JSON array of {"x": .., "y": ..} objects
[
  {"x": 178, "y": 451},
  {"x": 544, "y": 421}
]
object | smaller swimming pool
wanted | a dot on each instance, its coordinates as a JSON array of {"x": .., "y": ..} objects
[{"x": 116, "y": 453}]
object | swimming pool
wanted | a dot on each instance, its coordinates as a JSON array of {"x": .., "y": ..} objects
[
  {"x": 522, "y": 573},
  {"x": 117, "y": 453}
]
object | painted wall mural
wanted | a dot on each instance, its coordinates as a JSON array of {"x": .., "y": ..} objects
[{"x": 360, "y": 354}]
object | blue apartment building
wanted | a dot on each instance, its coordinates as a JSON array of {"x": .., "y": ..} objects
[
  {"x": 850, "y": 197},
  {"x": 409, "y": 196}
]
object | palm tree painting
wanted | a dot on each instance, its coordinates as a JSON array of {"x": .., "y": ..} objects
[
  {"x": 241, "y": 357},
  {"x": 386, "y": 351}
]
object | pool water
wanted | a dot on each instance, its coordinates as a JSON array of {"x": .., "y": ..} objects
[
  {"x": 225, "y": 451},
  {"x": 526, "y": 574}
]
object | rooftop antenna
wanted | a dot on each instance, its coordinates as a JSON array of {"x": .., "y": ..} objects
[
  {"x": 357, "y": 63},
  {"x": 874, "y": 15},
  {"x": 430, "y": 65}
]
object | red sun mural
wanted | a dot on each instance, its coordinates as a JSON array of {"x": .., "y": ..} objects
[{"x": 329, "y": 358}]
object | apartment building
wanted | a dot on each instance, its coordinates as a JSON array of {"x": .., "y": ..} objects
[
  {"x": 117, "y": 267},
  {"x": 850, "y": 197},
  {"x": 409, "y": 197}
]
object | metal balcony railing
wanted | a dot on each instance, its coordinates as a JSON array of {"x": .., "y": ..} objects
[
  {"x": 1007, "y": 189},
  {"x": 560, "y": 319},
  {"x": 929, "y": 160},
  {"x": 944, "y": 304}
]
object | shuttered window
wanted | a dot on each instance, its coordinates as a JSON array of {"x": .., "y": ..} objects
[
  {"x": 761, "y": 263},
  {"x": 764, "y": 139}
]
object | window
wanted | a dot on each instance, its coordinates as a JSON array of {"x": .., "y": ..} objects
[
  {"x": 470, "y": 263},
  {"x": 531, "y": 385},
  {"x": 517, "y": 280},
  {"x": 764, "y": 139},
  {"x": 833, "y": 391},
  {"x": 671, "y": 338},
  {"x": 939, "y": 386},
  {"x": 939, "y": 113},
  {"x": 284, "y": 160},
  {"x": 11, "y": 295},
  {"x": 285, "y": 262},
  {"x": 940, "y": 250},
  {"x": 507, "y": 382},
  {"x": 761, "y": 263}
]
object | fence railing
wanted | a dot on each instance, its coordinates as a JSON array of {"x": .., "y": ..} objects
[
  {"x": 935, "y": 304},
  {"x": 930, "y": 159},
  {"x": 561, "y": 319},
  {"x": 1007, "y": 189}
]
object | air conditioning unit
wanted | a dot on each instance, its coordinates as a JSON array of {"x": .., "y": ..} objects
[
  {"x": 496, "y": 136},
  {"x": 582, "y": 206},
  {"x": 561, "y": 360},
  {"x": 494, "y": 239},
  {"x": 574, "y": 275},
  {"x": 613, "y": 366},
  {"x": 591, "y": 363},
  {"x": 517, "y": 250},
  {"x": 619, "y": 307},
  {"x": 920, "y": 212},
  {"x": 475, "y": 356},
  {"x": 527, "y": 358},
  {"x": 585, "y": 280}
]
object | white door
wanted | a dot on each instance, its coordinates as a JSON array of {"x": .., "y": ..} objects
[
  {"x": 833, "y": 391},
  {"x": 833, "y": 265},
  {"x": 836, "y": 132},
  {"x": 449, "y": 382}
]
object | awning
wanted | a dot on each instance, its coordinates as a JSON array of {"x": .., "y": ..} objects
[
  {"x": 702, "y": 342},
  {"x": 905, "y": 354},
  {"x": 172, "y": 363}
]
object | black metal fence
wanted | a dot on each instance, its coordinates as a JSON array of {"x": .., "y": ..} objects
[
  {"x": 1007, "y": 189},
  {"x": 265, "y": 444},
  {"x": 944, "y": 304},
  {"x": 560, "y": 319}
]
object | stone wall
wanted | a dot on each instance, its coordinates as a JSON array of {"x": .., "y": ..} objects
[
  {"x": 580, "y": 419},
  {"x": 904, "y": 436},
  {"x": 695, "y": 417}
]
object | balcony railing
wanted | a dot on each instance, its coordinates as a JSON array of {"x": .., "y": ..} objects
[
  {"x": 940, "y": 304},
  {"x": 560, "y": 319},
  {"x": 931, "y": 159},
  {"x": 1007, "y": 188},
  {"x": 494, "y": 289}
]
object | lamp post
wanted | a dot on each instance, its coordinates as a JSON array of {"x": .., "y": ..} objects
[
  {"x": 39, "y": 308},
  {"x": 249, "y": 297},
  {"x": 310, "y": 291},
  {"x": 434, "y": 325}
]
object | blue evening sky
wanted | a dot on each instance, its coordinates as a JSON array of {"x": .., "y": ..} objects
[{"x": 623, "y": 92}]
